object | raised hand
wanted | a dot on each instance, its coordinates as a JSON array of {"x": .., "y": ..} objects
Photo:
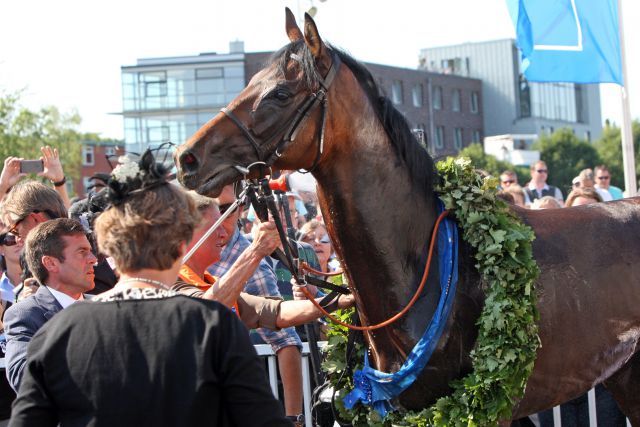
[
  {"x": 10, "y": 174},
  {"x": 52, "y": 166}
]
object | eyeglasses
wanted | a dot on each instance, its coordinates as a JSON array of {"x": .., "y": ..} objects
[
  {"x": 508, "y": 181},
  {"x": 603, "y": 177},
  {"x": 225, "y": 207},
  {"x": 7, "y": 239},
  {"x": 541, "y": 170}
]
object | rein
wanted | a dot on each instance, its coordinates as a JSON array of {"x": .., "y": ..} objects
[
  {"x": 404, "y": 310},
  {"x": 302, "y": 114}
]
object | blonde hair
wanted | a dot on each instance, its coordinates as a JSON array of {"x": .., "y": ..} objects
[
  {"x": 147, "y": 230},
  {"x": 586, "y": 192},
  {"x": 31, "y": 196},
  {"x": 546, "y": 202}
]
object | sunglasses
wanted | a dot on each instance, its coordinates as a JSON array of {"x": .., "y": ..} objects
[
  {"x": 310, "y": 239},
  {"x": 508, "y": 181},
  {"x": 541, "y": 170},
  {"x": 14, "y": 228},
  {"x": 603, "y": 177},
  {"x": 7, "y": 239},
  {"x": 225, "y": 207}
]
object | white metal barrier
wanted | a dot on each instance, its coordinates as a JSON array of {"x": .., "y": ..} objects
[
  {"x": 593, "y": 416},
  {"x": 264, "y": 350}
]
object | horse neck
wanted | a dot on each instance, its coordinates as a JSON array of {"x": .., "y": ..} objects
[{"x": 379, "y": 224}]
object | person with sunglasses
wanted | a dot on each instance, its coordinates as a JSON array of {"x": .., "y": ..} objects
[
  {"x": 315, "y": 234},
  {"x": 603, "y": 182},
  {"x": 10, "y": 263},
  {"x": 538, "y": 186}
]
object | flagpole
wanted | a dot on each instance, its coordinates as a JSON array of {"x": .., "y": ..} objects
[{"x": 628, "y": 157}]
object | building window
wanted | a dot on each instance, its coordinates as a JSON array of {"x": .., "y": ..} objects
[
  {"x": 457, "y": 139},
  {"x": 157, "y": 134},
  {"x": 110, "y": 151},
  {"x": 437, "y": 98},
  {"x": 524, "y": 96},
  {"x": 86, "y": 183},
  {"x": 88, "y": 158},
  {"x": 475, "y": 102},
  {"x": 580, "y": 104},
  {"x": 416, "y": 94},
  {"x": 455, "y": 100},
  {"x": 587, "y": 136},
  {"x": 209, "y": 73},
  {"x": 396, "y": 92},
  {"x": 155, "y": 84},
  {"x": 476, "y": 136},
  {"x": 439, "y": 137}
]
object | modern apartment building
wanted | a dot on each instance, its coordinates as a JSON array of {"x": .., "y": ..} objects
[
  {"x": 168, "y": 99},
  {"x": 510, "y": 103}
]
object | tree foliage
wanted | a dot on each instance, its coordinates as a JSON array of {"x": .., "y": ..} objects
[
  {"x": 491, "y": 164},
  {"x": 565, "y": 155},
  {"x": 609, "y": 148},
  {"x": 23, "y": 132}
]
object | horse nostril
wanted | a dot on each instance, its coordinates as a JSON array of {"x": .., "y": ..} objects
[{"x": 189, "y": 161}]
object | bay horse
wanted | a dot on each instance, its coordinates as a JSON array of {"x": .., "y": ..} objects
[{"x": 315, "y": 107}]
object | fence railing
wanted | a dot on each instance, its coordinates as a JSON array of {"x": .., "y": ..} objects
[{"x": 264, "y": 350}]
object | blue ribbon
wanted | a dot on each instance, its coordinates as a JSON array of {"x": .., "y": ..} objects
[{"x": 376, "y": 388}]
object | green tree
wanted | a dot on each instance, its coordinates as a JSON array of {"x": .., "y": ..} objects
[
  {"x": 23, "y": 132},
  {"x": 610, "y": 150},
  {"x": 491, "y": 164},
  {"x": 566, "y": 155}
]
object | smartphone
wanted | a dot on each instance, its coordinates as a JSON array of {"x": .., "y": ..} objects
[{"x": 31, "y": 166}]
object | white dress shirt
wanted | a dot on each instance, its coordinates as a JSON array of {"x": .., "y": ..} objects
[{"x": 64, "y": 299}]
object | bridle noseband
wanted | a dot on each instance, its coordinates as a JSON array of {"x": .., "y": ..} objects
[{"x": 296, "y": 122}]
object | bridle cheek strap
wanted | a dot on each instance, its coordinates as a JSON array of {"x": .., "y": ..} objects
[
  {"x": 244, "y": 130},
  {"x": 298, "y": 120}
]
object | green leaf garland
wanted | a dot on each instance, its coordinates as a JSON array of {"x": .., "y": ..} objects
[{"x": 505, "y": 350}]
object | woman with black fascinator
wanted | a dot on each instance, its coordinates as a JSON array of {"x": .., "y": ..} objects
[{"x": 142, "y": 354}]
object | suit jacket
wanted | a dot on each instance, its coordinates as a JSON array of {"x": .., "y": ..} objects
[{"x": 21, "y": 322}]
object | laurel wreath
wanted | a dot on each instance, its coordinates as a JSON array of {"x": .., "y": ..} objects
[{"x": 505, "y": 349}]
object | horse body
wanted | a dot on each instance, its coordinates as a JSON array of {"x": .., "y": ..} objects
[
  {"x": 380, "y": 210},
  {"x": 588, "y": 300}
]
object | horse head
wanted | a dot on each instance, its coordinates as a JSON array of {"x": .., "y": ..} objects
[{"x": 277, "y": 120}]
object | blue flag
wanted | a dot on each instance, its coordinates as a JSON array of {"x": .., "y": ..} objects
[{"x": 568, "y": 40}]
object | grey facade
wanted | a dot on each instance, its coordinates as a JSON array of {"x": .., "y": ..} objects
[
  {"x": 512, "y": 105},
  {"x": 168, "y": 99}
]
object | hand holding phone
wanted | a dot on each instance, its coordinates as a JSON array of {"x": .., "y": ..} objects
[{"x": 31, "y": 166}]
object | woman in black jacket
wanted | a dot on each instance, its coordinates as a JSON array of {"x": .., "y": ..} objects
[{"x": 143, "y": 355}]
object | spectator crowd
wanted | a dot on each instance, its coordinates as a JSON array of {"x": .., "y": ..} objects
[{"x": 104, "y": 322}]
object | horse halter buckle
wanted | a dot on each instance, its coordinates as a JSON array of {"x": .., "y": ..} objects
[{"x": 318, "y": 97}]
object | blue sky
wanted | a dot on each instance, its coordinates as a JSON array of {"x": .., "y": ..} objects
[{"x": 68, "y": 53}]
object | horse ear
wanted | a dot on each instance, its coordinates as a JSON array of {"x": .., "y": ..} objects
[
  {"x": 293, "y": 31},
  {"x": 312, "y": 38}
]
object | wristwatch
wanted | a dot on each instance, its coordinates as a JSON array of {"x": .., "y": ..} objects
[{"x": 297, "y": 420}]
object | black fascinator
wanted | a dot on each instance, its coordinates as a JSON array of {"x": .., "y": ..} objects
[{"x": 130, "y": 176}]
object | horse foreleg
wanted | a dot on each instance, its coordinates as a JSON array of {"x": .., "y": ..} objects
[{"x": 625, "y": 387}]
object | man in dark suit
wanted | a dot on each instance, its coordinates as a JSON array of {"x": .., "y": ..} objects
[{"x": 60, "y": 257}]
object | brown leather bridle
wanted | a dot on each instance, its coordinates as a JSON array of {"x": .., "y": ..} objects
[{"x": 296, "y": 122}]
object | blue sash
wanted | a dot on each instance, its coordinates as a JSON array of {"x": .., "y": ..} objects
[{"x": 377, "y": 388}]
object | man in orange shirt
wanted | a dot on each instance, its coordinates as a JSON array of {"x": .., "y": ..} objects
[{"x": 254, "y": 311}]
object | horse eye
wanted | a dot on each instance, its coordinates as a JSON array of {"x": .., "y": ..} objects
[{"x": 281, "y": 94}]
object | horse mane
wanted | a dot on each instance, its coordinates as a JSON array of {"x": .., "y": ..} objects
[{"x": 415, "y": 157}]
